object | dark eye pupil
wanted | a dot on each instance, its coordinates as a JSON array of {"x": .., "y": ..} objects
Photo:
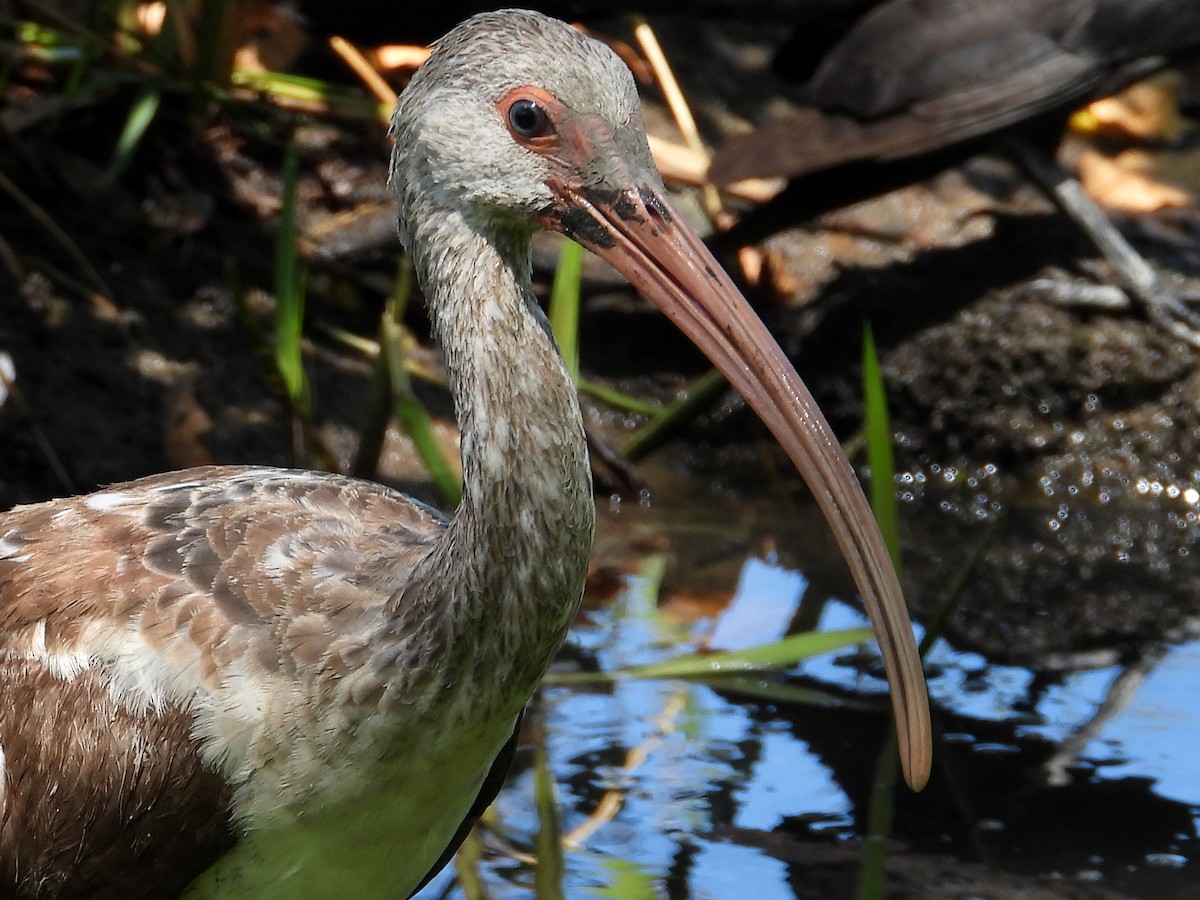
[{"x": 527, "y": 118}]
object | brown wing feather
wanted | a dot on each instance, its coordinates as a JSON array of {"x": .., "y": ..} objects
[
  {"x": 98, "y": 802},
  {"x": 208, "y": 566},
  {"x": 168, "y": 586}
]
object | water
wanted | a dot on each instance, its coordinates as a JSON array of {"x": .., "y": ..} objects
[{"x": 1071, "y": 783}]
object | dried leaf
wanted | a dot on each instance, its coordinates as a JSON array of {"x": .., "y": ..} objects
[
  {"x": 1146, "y": 111},
  {"x": 1122, "y": 183}
]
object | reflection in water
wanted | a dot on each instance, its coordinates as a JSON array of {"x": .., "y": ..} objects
[{"x": 1048, "y": 783}]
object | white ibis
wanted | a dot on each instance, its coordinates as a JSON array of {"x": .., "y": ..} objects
[{"x": 309, "y": 678}]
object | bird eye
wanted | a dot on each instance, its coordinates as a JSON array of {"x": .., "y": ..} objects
[{"x": 528, "y": 119}]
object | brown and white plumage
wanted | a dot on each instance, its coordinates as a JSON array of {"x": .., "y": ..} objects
[
  {"x": 319, "y": 671},
  {"x": 245, "y": 607}
]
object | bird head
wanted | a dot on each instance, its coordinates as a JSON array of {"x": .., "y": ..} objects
[{"x": 518, "y": 117}]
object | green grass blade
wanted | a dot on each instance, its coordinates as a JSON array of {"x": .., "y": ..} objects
[
  {"x": 879, "y": 449},
  {"x": 289, "y": 292},
  {"x": 617, "y": 399},
  {"x": 136, "y": 124},
  {"x": 564, "y": 304},
  {"x": 391, "y": 394},
  {"x": 672, "y": 419},
  {"x": 428, "y": 373},
  {"x": 880, "y": 814},
  {"x": 881, "y": 808},
  {"x": 787, "y": 652},
  {"x": 645, "y": 587},
  {"x": 548, "y": 877},
  {"x": 303, "y": 92},
  {"x": 414, "y": 418},
  {"x": 466, "y": 867},
  {"x": 407, "y": 407},
  {"x": 628, "y": 881},
  {"x": 377, "y": 414}
]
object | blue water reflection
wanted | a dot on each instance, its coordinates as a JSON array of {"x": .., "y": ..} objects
[{"x": 721, "y": 797}]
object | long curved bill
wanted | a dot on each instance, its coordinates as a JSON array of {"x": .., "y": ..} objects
[{"x": 642, "y": 237}]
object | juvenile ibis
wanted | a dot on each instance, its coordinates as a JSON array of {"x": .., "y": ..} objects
[{"x": 310, "y": 679}]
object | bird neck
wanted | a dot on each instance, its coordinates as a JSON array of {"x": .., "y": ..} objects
[{"x": 513, "y": 560}]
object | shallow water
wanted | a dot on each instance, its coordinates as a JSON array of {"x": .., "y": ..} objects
[{"x": 1047, "y": 783}]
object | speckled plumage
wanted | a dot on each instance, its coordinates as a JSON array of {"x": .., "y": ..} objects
[
  {"x": 286, "y": 615},
  {"x": 312, "y": 626},
  {"x": 346, "y": 662}
]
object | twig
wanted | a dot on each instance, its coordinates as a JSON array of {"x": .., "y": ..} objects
[
  {"x": 677, "y": 104},
  {"x": 364, "y": 70}
]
